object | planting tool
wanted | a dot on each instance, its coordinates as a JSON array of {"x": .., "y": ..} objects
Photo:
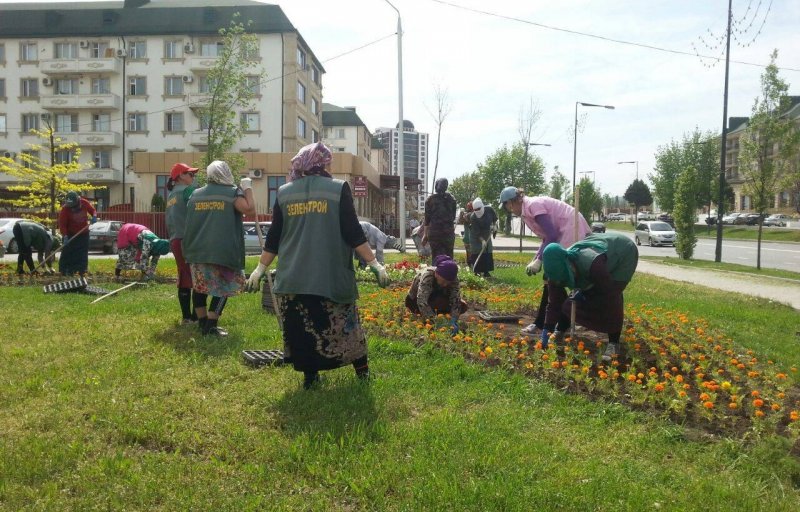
[
  {"x": 573, "y": 312},
  {"x": 44, "y": 262},
  {"x": 483, "y": 248},
  {"x": 109, "y": 294},
  {"x": 66, "y": 286}
]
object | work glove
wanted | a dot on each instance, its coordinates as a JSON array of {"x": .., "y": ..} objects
[
  {"x": 380, "y": 273},
  {"x": 94, "y": 219},
  {"x": 545, "y": 339},
  {"x": 254, "y": 282},
  {"x": 453, "y": 327},
  {"x": 577, "y": 296},
  {"x": 533, "y": 267},
  {"x": 245, "y": 183}
]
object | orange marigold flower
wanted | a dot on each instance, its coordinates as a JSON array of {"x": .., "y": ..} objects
[
  {"x": 704, "y": 397},
  {"x": 775, "y": 407},
  {"x": 794, "y": 415},
  {"x": 682, "y": 394},
  {"x": 631, "y": 377},
  {"x": 758, "y": 402},
  {"x": 659, "y": 387},
  {"x": 708, "y": 405},
  {"x": 733, "y": 405},
  {"x": 759, "y": 414},
  {"x": 679, "y": 378},
  {"x": 754, "y": 393}
]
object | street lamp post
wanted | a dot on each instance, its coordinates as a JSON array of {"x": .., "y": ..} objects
[
  {"x": 632, "y": 162},
  {"x": 401, "y": 195},
  {"x": 575, "y": 147}
]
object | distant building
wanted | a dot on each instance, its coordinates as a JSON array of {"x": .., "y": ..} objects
[{"x": 415, "y": 158}]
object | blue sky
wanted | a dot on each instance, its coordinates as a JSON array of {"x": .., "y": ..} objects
[{"x": 493, "y": 67}]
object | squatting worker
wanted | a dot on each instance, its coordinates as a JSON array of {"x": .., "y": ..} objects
[
  {"x": 482, "y": 223},
  {"x": 554, "y": 222},
  {"x": 440, "y": 216},
  {"x": 378, "y": 239},
  {"x": 139, "y": 248},
  {"x": 30, "y": 236},
  {"x": 73, "y": 223},
  {"x": 315, "y": 230},
  {"x": 597, "y": 269},
  {"x": 181, "y": 186},
  {"x": 435, "y": 290},
  {"x": 213, "y": 242}
]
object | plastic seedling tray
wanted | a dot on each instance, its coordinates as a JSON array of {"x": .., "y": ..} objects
[
  {"x": 66, "y": 286},
  {"x": 94, "y": 290},
  {"x": 495, "y": 316},
  {"x": 263, "y": 357}
]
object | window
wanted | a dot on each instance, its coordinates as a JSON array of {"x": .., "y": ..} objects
[
  {"x": 204, "y": 121},
  {"x": 161, "y": 185},
  {"x": 2, "y": 53},
  {"x": 254, "y": 84},
  {"x": 137, "y": 50},
  {"x": 29, "y": 87},
  {"x": 338, "y": 133},
  {"x": 314, "y": 106},
  {"x": 3, "y": 124},
  {"x": 2, "y": 87},
  {"x": 315, "y": 75},
  {"x": 211, "y": 48},
  {"x": 173, "y": 122},
  {"x": 98, "y": 50},
  {"x": 273, "y": 184},
  {"x": 173, "y": 86},
  {"x": 172, "y": 49},
  {"x": 301, "y": 127},
  {"x": 251, "y": 121},
  {"x": 67, "y": 123},
  {"x": 301, "y": 93},
  {"x": 66, "y": 51},
  {"x": 101, "y": 86},
  {"x": 137, "y": 122},
  {"x": 31, "y": 156},
  {"x": 137, "y": 86},
  {"x": 204, "y": 85},
  {"x": 314, "y": 136},
  {"x": 66, "y": 86},
  {"x": 28, "y": 52},
  {"x": 30, "y": 122},
  {"x": 64, "y": 156},
  {"x": 301, "y": 59},
  {"x": 102, "y": 159},
  {"x": 101, "y": 122}
]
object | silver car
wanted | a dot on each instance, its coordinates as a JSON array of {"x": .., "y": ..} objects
[
  {"x": 251, "y": 245},
  {"x": 656, "y": 232}
]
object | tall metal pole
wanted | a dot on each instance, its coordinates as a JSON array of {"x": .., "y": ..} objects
[
  {"x": 575, "y": 154},
  {"x": 723, "y": 142},
  {"x": 401, "y": 196}
]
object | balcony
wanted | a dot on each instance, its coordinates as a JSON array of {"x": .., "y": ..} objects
[
  {"x": 198, "y": 99},
  {"x": 88, "y": 139},
  {"x": 201, "y": 63},
  {"x": 81, "y": 101},
  {"x": 62, "y": 66},
  {"x": 96, "y": 176},
  {"x": 198, "y": 138}
]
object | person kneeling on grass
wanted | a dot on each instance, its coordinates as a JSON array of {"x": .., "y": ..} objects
[
  {"x": 597, "y": 269},
  {"x": 435, "y": 290},
  {"x": 139, "y": 248}
]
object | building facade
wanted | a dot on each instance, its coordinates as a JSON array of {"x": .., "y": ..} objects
[
  {"x": 415, "y": 165},
  {"x": 121, "y": 79}
]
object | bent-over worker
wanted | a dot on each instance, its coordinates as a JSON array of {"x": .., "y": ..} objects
[{"x": 435, "y": 290}]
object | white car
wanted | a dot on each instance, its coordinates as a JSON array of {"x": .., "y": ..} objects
[
  {"x": 777, "y": 219},
  {"x": 656, "y": 232},
  {"x": 7, "y": 234},
  {"x": 251, "y": 245}
]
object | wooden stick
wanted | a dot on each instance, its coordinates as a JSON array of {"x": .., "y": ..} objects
[
  {"x": 573, "y": 312},
  {"x": 115, "y": 291}
]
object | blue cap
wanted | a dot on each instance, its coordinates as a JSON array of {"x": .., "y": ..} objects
[{"x": 507, "y": 193}]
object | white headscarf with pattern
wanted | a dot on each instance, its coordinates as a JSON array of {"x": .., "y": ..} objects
[{"x": 220, "y": 173}]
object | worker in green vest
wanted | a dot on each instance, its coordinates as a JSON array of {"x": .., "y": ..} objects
[
  {"x": 30, "y": 236},
  {"x": 597, "y": 269},
  {"x": 315, "y": 230},
  {"x": 213, "y": 242},
  {"x": 181, "y": 186}
]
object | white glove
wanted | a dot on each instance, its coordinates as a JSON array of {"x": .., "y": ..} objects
[
  {"x": 255, "y": 278},
  {"x": 245, "y": 183},
  {"x": 380, "y": 273},
  {"x": 533, "y": 267}
]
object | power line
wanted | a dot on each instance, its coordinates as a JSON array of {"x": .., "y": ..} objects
[{"x": 594, "y": 36}]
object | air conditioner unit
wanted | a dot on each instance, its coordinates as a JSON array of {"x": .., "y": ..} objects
[
  {"x": 255, "y": 173},
  {"x": 121, "y": 53},
  {"x": 188, "y": 48},
  {"x": 187, "y": 79},
  {"x": 84, "y": 44},
  {"x": 9, "y": 154},
  {"x": 47, "y": 81}
]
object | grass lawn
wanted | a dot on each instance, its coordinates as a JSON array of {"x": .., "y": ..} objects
[{"x": 114, "y": 406}]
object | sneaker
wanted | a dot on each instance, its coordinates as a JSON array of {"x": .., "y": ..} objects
[
  {"x": 188, "y": 321},
  {"x": 612, "y": 351},
  {"x": 530, "y": 330},
  {"x": 216, "y": 331}
]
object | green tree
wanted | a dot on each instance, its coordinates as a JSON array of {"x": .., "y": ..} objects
[
  {"x": 697, "y": 149},
  {"x": 157, "y": 203},
  {"x": 510, "y": 166},
  {"x": 44, "y": 179},
  {"x": 638, "y": 194},
  {"x": 559, "y": 185},
  {"x": 769, "y": 144},
  {"x": 591, "y": 201},
  {"x": 231, "y": 90},
  {"x": 684, "y": 211},
  {"x": 465, "y": 188}
]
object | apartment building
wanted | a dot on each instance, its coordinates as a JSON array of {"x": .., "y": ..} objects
[
  {"x": 415, "y": 163},
  {"x": 737, "y": 127},
  {"x": 121, "y": 79}
]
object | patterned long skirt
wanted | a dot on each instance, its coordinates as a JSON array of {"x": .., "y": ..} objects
[
  {"x": 216, "y": 280},
  {"x": 319, "y": 334}
]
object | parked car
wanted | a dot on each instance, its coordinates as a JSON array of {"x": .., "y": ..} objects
[
  {"x": 103, "y": 236},
  {"x": 598, "y": 227},
  {"x": 731, "y": 218},
  {"x": 711, "y": 220},
  {"x": 777, "y": 219},
  {"x": 656, "y": 232},
  {"x": 752, "y": 219},
  {"x": 615, "y": 217},
  {"x": 251, "y": 245},
  {"x": 646, "y": 215},
  {"x": 7, "y": 233},
  {"x": 666, "y": 217}
]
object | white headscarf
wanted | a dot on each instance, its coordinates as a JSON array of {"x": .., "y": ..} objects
[
  {"x": 220, "y": 173},
  {"x": 477, "y": 206}
]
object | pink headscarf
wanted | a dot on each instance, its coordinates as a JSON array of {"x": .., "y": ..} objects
[{"x": 311, "y": 159}]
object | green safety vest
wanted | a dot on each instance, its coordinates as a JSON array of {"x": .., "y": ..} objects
[
  {"x": 214, "y": 232},
  {"x": 176, "y": 210},
  {"x": 621, "y": 253},
  {"x": 314, "y": 258}
]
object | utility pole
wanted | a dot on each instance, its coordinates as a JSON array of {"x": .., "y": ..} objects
[{"x": 723, "y": 141}]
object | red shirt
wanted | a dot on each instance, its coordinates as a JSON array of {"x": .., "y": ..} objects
[{"x": 72, "y": 220}]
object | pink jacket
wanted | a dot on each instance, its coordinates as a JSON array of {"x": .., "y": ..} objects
[
  {"x": 129, "y": 235},
  {"x": 562, "y": 217}
]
